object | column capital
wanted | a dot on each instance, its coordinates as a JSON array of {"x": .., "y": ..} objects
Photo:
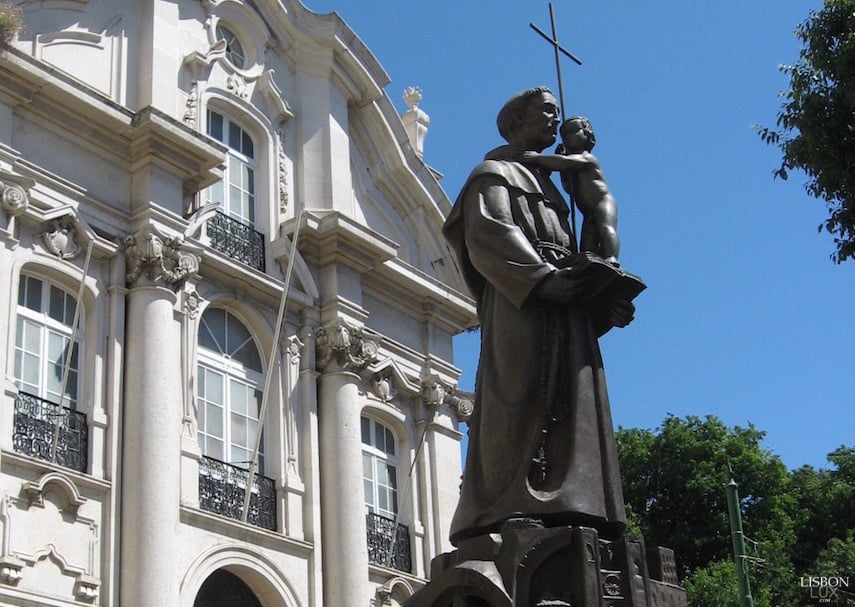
[
  {"x": 344, "y": 347},
  {"x": 154, "y": 259}
]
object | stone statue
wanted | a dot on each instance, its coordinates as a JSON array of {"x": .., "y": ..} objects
[{"x": 541, "y": 441}]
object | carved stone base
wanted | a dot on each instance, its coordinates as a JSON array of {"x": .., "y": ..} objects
[{"x": 529, "y": 565}]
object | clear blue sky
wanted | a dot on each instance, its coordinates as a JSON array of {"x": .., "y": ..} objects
[{"x": 745, "y": 316}]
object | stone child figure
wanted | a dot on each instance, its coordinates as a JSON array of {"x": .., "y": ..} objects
[
  {"x": 583, "y": 179},
  {"x": 541, "y": 441}
]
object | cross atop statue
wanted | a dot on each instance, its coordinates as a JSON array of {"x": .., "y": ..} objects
[{"x": 553, "y": 40}]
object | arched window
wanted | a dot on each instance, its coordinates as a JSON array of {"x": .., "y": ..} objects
[
  {"x": 43, "y": 334},
  {"x": 236, "y": 192},
  {"x": 379, "y": 468},
  {"x": 229, "y": 394}
]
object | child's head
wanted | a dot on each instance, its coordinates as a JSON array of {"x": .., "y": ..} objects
[{"x": 577, "y": 134}]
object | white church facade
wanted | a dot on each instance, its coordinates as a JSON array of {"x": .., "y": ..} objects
[{"x": 173, "y": 430}]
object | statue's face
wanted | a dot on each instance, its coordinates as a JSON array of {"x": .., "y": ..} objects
[
  {"x": 540, "y": 122},
  {"x": 574, "y": 137}
]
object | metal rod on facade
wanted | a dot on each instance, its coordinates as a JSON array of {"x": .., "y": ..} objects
[
  {"x": 738, "y": 539},
  {"x": 274, "y": 350},
  {"x": 69, "y": 355}
]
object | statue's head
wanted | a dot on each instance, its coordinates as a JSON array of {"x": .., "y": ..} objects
[
  {"x": 529, "y": 119},
  {"x": 577, "y": 134}
]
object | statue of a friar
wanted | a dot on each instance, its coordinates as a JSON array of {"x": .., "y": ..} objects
[{"x": 541, "y": 441}]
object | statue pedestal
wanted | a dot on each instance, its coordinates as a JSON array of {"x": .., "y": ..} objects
[{"x": 529, "y": 565}]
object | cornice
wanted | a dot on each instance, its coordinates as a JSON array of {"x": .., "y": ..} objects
[
  {"x": 113, "y": 131},
  {"x": 331, "y": 237}
]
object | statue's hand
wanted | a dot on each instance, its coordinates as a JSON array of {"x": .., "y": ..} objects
[{"x": 621, "y": 312}]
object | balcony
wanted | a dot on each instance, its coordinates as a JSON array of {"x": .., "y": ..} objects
[
  {"x": 39, "y": 422},
  {"x": 386, "y": 547},
  {"x": 222, "y": 490},
  {"x": 236, "y": 240}
]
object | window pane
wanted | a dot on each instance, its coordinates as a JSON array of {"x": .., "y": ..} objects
[
  {"x": 212, "y": 332},
  {"x": 368, "y": 489},
  {"x": 379, "y": 437},
  {"x": 215, "y": 126},
  {"x": 367, "y": 466},
  {"x": 214, "y": 420},
  {"x": 32, "y": 337},
  {"x": 390, "y": 442},
  {"x": 236, "y": 335},
  {"x": 214, "y": 387},
  {"x": 239, "y": 457},
  {"x": 56, "y": 306},
  {"x": 366, "y": 431},
  {"x": 31, "y": 371},
  {"x": 33, "y": 298},
  {"x": 215, "y": 193},
  {"x": 247, "y": 146},
  {"x": 235, "y": 133},
  {"x": 214, "y": 448},
  {"x": 382, "y": 479},
  {"x": 239, "y": 430},
  {"x": 238, "y": 397}
]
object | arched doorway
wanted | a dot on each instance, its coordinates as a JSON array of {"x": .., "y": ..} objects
[{"x": 224, "y": 589}]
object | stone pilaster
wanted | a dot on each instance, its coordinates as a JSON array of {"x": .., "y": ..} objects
[
  {"x": 342, "y": 352},
  {"x": 152, "y": 423}
]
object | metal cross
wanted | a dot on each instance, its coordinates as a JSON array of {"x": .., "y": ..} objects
[
  {"x": 558, "y": 49},
  {"x": 556, "y": 46}
]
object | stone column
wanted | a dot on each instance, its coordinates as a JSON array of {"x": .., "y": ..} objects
[
  {"x": 342, "y": 352},
  {"x": 152, "y": 420}
]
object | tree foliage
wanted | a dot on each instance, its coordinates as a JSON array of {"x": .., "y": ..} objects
[
  {"x": 797, "y": 523},
  {"x": 10, "y": 21},
  {"x": 816, "y": 124}
]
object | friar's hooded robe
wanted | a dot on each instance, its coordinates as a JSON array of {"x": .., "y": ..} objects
[{"x": 541, "y": 440}]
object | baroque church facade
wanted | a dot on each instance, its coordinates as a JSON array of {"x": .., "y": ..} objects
[{"x": 227, "y": 375}]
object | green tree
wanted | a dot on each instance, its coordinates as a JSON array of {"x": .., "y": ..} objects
[
  {"x": 822, "y": 506},
  {"x": 816, "y": 124},
  {"x": 674, "y": 486}
]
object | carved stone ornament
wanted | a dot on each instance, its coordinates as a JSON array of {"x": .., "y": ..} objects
[
  {"x": 11, "y": 570},
  {"x": 292, "y": 347},
  {"x": 237, "y": 85},
  {"x": 158, "y": 259},
  {"x": 464, "y": 407},
  {"x": 283, "y": 174},
  {"x": 433, "y": 392},
  {"x": 345, "y": 347},
  {"x": 60, "y": 237},
  {"x": 13, "y": 198},
  {"x": 383, "y": 386},
  {"x": 191, "y": 111},
  {"x": 191, "y": 305}
]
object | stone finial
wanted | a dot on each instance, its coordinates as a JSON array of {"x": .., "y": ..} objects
[
  {"x": 412, "y": 96},
  {"x": 415, "y": 120}
]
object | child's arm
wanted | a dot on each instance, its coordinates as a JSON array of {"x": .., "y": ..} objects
[{"x": 560, "y": 162}]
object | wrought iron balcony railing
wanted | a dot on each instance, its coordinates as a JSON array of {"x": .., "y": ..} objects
[
  {"x": 38, "y": 423},
  {"x": 386, "y": 545},
  {"x": 236, "y": 240},
  {"x": 222, "y": 490}
]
